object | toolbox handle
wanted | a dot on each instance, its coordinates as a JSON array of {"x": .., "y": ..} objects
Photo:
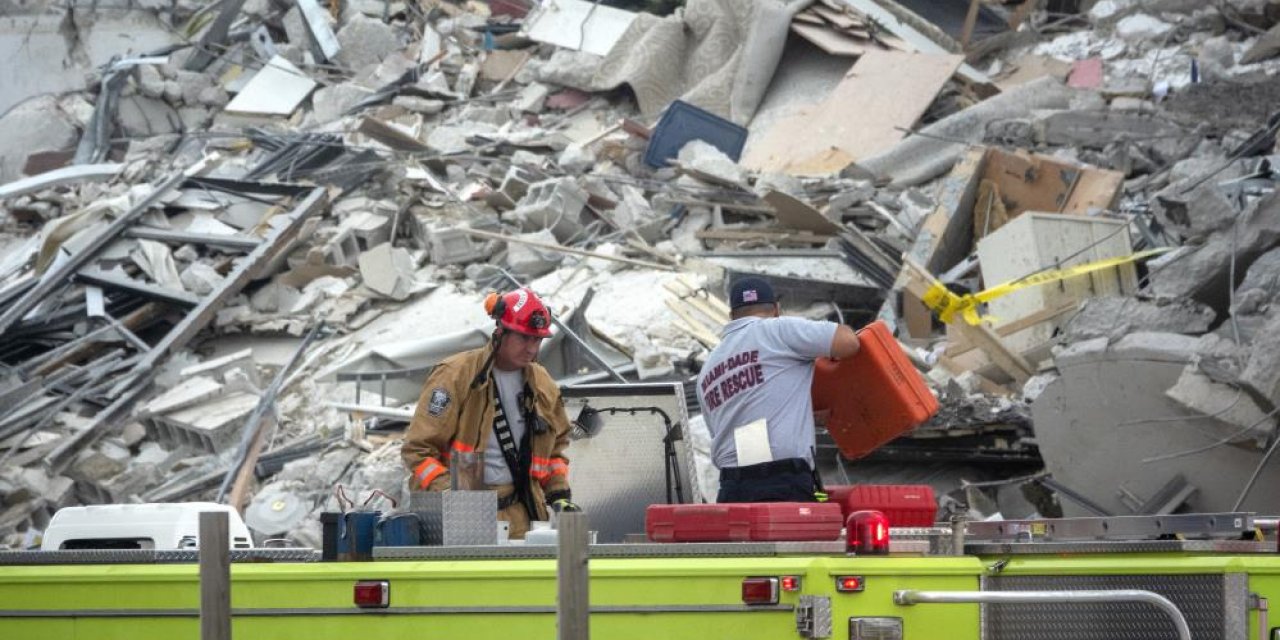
[
  {"x": 376, "y": 493},
  {"x": 341, "y": 495}
]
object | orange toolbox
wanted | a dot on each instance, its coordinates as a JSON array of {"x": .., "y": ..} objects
[{"x": 873, "y": 397}]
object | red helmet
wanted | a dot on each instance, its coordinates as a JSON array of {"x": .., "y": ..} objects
[{"x": 520, "y": 311}]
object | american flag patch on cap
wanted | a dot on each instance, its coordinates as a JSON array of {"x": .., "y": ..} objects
[{"x": 750, "y": 295}]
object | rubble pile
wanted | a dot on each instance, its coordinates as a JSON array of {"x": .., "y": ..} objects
[{"x": 228, "y": 264}]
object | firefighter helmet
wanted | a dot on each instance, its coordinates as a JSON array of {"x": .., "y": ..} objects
[{"x": 520, "y": 311}]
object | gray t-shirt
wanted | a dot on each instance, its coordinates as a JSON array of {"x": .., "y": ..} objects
[
  {"x": 763, "y": 368},
  {"x": 510, "y": 384}
]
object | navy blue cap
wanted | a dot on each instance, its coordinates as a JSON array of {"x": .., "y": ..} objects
[{"x": 750, "y": 290}]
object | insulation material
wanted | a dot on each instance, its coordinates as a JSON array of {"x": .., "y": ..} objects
[{"x": 717, "y": 55}]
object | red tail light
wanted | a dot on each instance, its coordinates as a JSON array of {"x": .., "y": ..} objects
[
  {"x": 849, "y": 583},
  {"x": 790, "y": 583},
  {"x": 373, "y": 594},
  {"x": 867, "y": 533},
  {"x": 760, "y": 590}
]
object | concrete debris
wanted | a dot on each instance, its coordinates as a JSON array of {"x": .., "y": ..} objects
[
  {"x": 169, "y": 232},
  {"x": 1116, "y": 317},
  {"x": 365, "y": 41},
  {"x": 388, "y": 271}
]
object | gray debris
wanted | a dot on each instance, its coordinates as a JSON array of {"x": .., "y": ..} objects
[
  {"x": 1114, "y": 317},
  {"x": 365, "y": 41}
]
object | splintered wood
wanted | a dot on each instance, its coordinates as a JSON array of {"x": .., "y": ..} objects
[
  {"x": 701, "y": 314},
  {"x": 841, "y": 30}
]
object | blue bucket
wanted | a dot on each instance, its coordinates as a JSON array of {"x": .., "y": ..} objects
[
  {"x": 355, "y": 535},
  {"x": 399, "y": 530}
]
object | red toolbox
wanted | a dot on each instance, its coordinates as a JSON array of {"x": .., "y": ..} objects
[
  {"x": 873, "y": 397},
  {"x": 905, "y": 505},
  {"x": 741, "y": 522}
]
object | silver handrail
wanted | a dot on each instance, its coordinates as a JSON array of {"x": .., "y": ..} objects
[{"x": 907, "y": 597}]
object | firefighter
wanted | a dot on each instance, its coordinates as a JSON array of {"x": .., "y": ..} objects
[
  {"x": 754, "y": 393},
  {"x": 497, "y": 406}
]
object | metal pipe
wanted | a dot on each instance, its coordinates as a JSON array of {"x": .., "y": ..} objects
[
  {"x": 1264, "y": 623},
  {"x": 908, "y": 597}
]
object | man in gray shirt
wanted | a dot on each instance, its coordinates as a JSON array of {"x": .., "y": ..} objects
[{"x": 754, "y": 393}]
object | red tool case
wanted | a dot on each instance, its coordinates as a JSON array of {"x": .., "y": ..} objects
[
  {"x": 742, "y": 522},
  {"x": 873, "y": 397},
  {"x": 905, "y": 505}
]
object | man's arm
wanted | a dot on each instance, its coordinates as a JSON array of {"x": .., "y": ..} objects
[
  {"x": 845, "y": 343},
  {"x": 556, "y": 486},
  {"x": 435, "y": 422}
]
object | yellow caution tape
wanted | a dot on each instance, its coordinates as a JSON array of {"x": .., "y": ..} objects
[{"x": 949, "y": 305}]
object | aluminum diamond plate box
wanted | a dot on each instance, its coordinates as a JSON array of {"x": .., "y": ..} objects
[
  {"x": 454, "y": 518},
  {"x": 625, "y": 467},
  {"x": 1214, "y": 605}
]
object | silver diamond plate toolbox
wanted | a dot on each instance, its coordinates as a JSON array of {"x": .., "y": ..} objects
[
  {"x": 457, "y": 517},
  {"x": 1215, "y": 607}
]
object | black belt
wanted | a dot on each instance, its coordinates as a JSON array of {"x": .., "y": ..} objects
[
  {"x": 508, "y": 500},
  {"x": 765, "y": 469}
]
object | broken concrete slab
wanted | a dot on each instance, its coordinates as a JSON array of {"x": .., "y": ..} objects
[
  {"x": 706, "y": 161},
  {"x": 1196, "y": 214},
  {"x": 1202, "y": 272},
  {"x": 388, "y": 271},
  {"x": 365, "y": 41},
  {"x": 32, "y": 127},
  {"x": 277, "y": 89},
  {"x": 331, "y": 103},
  {"x": 1115, "y": 316},
  {"x": 191, "y": 391},
  {"x": 1235, "y": 412},
  {"x": 1098, "y": 129},
  {"x": 1107, "y": 415},
  {"x": 419, "y": 105},
  {"x": 529, "y": 260},
  {"x": 554, "y": 204},
  {"x": 1262, "y": 374}
]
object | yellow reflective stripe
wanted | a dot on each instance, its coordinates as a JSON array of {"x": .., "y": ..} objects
[{"x": 428, "y": 470}]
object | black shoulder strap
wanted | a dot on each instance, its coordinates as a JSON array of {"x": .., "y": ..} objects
[{"x": 518, "y": 458}]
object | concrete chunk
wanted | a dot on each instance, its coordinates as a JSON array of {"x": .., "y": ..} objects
[
  {"x": 365, "y": 41},
  {"x": 388, "y": 271},
  {"x": 554, "y": 204},
  {"x": 1115, "y": 316},
  {"x": 1262, "y": 374},
  {"x": 1226, "y": 404},
  {"x": 532, "y": 261}
]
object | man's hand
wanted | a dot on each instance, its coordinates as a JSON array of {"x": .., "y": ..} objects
[{"x": 563, "y": 505}]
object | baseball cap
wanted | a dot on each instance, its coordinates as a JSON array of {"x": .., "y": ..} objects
[{"x": 750, "y": 290}]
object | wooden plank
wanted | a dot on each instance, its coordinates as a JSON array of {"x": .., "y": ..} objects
[
  {"x": 883, "y": 95},
  {"x": 808, "y": 17},
  {"x": 781, "y": 236},
  {"x": 793, "y": 213},
  {"x": 573, "y": 578},
  {"x": 833, "y": 42},
  {"x": 570, "y": 250},
  {"x": 970, "y": 20},
  {"x": 838, "y": 18},
  {"x": 958, "y": 346},
  {"x": 215, "y": 576},
  {"x": 919, "y": 281}
]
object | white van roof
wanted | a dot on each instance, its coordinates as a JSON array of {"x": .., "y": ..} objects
[{"x": 160, "y": 525}]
